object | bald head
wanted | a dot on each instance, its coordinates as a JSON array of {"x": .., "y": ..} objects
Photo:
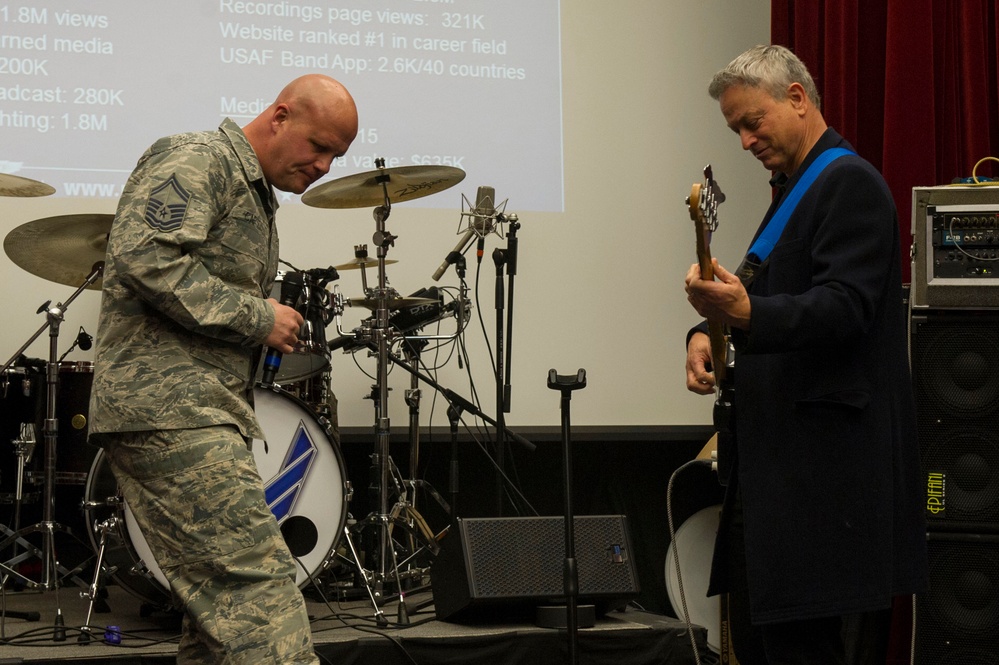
[
  {"x": 317, "y": 92},
  {"x": 312, "y": 121}
]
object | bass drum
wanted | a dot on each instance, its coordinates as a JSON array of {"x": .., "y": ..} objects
[{"x": 305, "y": 485}]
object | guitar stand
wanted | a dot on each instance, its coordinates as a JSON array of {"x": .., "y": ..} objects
[{"x": 552, "y": 617}]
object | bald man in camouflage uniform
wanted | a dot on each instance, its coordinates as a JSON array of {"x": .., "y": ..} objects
[{"x": 192, "y": 256}]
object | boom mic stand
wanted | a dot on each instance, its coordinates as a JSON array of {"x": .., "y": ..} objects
[
  {"x": 50, "y": 430},
  {"x": 460, "y": 404}
]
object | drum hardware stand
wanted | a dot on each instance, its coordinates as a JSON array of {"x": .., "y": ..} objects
[
  {"x": 48, "y": 527},
  {"x": 24, "y": 449},
  {"x": 92, "y": 593},
  {"x": 381, "y": 334}
]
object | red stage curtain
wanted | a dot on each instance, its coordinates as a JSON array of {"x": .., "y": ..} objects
[{"x": 911, "y": 83}]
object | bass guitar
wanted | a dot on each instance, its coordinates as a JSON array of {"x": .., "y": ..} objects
[{"x": 703, "y": 202}]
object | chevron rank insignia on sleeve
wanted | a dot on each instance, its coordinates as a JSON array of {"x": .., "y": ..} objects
[{"x": 167, "y": 206}]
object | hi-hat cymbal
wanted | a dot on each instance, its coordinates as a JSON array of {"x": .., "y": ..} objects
[
  {"x": 15, "y": 185},
  {"x": 397, "y": 302},
  {"x": 363, "y": 190},
  {"x": 61, "y": 249},
  {"x": 362, "y": 263}
]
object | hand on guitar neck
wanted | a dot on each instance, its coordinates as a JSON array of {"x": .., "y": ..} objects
[{"x": 720, "y": 297}]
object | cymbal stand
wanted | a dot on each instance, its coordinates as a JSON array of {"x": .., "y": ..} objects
[
  {"x": 48, "y": 527},
  {"x": 381, "y": 335}
]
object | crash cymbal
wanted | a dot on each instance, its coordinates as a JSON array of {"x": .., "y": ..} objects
[
  {"x": 397, "y": 302},
  {"x": 61, "y": 249},
  {"x": 362, "y": 263},
  {"x": 364, "y": 190},
  {"x": 15, "y": 185}
]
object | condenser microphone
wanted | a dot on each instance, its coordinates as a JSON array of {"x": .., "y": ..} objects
[
  {"x": 482, "y": 223},
  {"x": 483, "y": 218},
  {"x": 291, "y": 288}
]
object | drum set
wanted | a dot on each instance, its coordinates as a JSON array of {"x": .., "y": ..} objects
[{"x": 300, "y": 461}]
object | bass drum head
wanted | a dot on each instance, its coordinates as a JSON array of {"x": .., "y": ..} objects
[
  {"x": 694, "y": 543},
  {"x": 127, "y": 556},
  {"x": 304, "y": 477},
  {"x": 304, "y": 482}
]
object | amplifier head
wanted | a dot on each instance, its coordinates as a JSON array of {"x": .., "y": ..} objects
[{"x": 955, "y": 247}]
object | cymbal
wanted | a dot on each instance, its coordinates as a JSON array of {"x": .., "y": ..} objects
[
  {"x": 397, "y": 302},
  {"x": 61, "y": 249},
  {"x": 363, "y": 190},
  {"x": 362, "y": 263},
  {"x": 15, "y": 185}
]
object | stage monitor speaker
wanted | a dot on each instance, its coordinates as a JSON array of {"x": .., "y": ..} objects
[
  {"x": 957, "y": 620},
  {"x": 955, "y": 371},
  {"x": 504, "y": 567}
]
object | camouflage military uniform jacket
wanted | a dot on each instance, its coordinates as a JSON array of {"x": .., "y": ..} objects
[{"x": 191, "y": 257}]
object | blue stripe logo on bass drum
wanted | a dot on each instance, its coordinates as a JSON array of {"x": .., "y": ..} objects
[{"x": 284, "y": 489}]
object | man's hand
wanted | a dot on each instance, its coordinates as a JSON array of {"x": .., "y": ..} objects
[
  {"x": 287, "y": 323},
  {"x": 699, "y": 379},
  {"x": 723, "y": 299}
]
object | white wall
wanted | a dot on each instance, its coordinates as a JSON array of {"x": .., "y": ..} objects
[{"x": 599, "y": 286}]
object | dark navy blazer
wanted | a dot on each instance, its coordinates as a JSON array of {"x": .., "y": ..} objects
[{"x": 825, "y": 452}]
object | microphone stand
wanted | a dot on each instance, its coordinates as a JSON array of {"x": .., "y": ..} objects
[
  {"x": 453, "y": 417},
  {"x": 507, "y": 257},
  {"x": 460, "y": 403},
  {"x": 511, "y": 271},
  {"x": 499, "y": 258}
]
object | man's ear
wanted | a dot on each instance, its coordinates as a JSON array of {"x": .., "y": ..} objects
[
  {"x": 798, "y": 97},
  {"x": 280, "y": 116}
]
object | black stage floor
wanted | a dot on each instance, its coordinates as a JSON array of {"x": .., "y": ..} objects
[{"x": 344, "y": 633}]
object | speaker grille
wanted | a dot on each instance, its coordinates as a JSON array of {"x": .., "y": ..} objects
[
  {"x": 955, "y": 366},
  {"x": 524, "y": 556},
  {"x": 498, "y": 567},
  {"x": 957, "y": 620},
  {"x": 958, "y": 361}
]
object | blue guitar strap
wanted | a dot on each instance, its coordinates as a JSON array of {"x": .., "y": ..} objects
[{"x": 767, "y": 240}]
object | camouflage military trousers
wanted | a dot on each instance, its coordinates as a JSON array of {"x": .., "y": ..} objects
[{"x": 199, "y": 501}]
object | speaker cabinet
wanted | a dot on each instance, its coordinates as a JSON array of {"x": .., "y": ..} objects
[
  {"x": 955, "y": 369},
  {"x": 957, "y": 620},
  {"x": 504, "y": 567}
]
